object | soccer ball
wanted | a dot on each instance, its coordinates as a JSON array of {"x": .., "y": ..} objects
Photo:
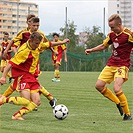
[{"x": 60, "y": 112}]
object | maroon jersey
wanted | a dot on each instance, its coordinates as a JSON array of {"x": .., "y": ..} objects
[
  {"x": 4, "y": 45},
  {"x": 122, "y": 45},
  {"x": 23, "y": 37}
]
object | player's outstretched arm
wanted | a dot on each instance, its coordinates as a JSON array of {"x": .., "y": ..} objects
[
  {"x": 97, "y": 48},
  {"x": 65, "y": 55},
  {"x": 59, "y": 43}
]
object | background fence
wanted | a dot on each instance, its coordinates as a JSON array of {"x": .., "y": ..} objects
[{"x": 78, "y": 61}]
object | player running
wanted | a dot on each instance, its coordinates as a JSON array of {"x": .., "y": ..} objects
[
  {"x": 4, "y": 61},
  {"x": 57, "y": 57},
  {"x": 17, "y": 42},
  {"x": 117, "y": 67},
  {"x": 24, "y": 73}
]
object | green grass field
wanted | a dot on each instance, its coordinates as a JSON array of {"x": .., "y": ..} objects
[{"x": 89, "y": 111}]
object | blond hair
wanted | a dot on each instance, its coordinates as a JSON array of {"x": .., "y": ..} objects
[{"x": 115, "y": 17}]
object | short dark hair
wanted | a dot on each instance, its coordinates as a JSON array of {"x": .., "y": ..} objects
[
  {"x": 35, "y": 35},
  {"x": 35, "y": 19},
  {"x": 56, "y": 34},
  {"x": 6, "y": 33}
]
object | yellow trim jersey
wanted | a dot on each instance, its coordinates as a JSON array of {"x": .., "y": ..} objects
[
  {"x": 59, "y": 48},
  {"x": 26, "y": 59},
  {"x": 122, "y": 45},
  {"x": 23, "y": 37}
]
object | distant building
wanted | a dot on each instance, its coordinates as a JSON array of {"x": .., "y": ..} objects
[
  {"x": 124, "y": 8},
  {"x": 83, "y": 36},
  {"x": 13, "y": 15}
]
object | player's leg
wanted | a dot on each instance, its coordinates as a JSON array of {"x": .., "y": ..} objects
[
  {"x": 52, "y": 100},
  {"x": 120, "y": 78},
  {"x": 17, "y": 101},
  {"x": 24, "y": 110},
  {"x": 27, "y": 108},
  {"x": 35, "y": 97},
  {"x": 23, "y": 100},
  {"x": 8, "y": 74},
  {"x": 57, "y": 64},
  {"x": 9, "y": 91},
  {"x": 56, "y": 73},
  {"x": 35, "y": 93},
  {"x": 3, "y": 64},
  {"x": 106, "y": 76},
  {"x": 54, "y": 57},
  {"x": 14, "y": 86},
  {"x": 24, "y": 89},
  {"x": 100, "y": 86},
  {"x": 14, "y": 100}
]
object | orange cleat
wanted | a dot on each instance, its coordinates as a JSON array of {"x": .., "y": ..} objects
[{"x": 17, "y": 118}]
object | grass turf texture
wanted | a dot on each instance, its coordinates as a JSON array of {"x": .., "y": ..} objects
[{"x": 89, "y": 111}]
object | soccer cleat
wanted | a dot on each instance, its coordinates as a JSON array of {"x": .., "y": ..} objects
[
  {"x": 57, "y": 80},
  {"x": 17, "y": 118},
  {"x": 127, "y": 117},
  {"x": 53, "y": 102},
  {"x": 120, "y": 109},
  {"x": 35, "y": 109},
  {"x": 10, "y": 80},
  {"x": 54, "y": 80}
]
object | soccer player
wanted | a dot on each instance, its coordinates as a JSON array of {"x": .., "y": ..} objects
[
  {"x": 26, "y": 29},
  {"x": 18, "y": 41},
  {"x": 4, "y": 61},
  {"x": 24, "y": 73},
  {"x": 57, "y": 57},
  {"x": 29, "y": 17},
  {"x": 117, "y": 67}
]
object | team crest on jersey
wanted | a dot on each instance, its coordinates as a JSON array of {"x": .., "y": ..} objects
[{"x": 115, "y": 44}]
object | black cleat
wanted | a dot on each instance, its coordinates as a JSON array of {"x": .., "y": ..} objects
[
  {"x": 120, "y": 109},
  {"x": 53, "y": 102},
  {"x": 127, "y": 117},
  {"x": 10, "y": 80}
]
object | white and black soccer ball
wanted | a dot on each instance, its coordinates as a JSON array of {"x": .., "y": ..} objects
[{"x": 60, "y": 112}]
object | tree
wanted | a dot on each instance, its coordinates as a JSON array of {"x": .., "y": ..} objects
[
  {"x": 71, "y": 29},
  {"x": 95, "y": 36}
]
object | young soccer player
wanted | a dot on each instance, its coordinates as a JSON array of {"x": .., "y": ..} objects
[
  {"x": 4, "y": 61},
  {"x": 117, "y": 67},
  {"x": 26, "y": 29},
  {"x": 18, "y": 41},
  {"x": 24, "y": 73},
  {"x": 57, "y": 57}
]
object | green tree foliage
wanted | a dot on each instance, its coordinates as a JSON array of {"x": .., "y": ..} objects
[
  {"x": 95, "y": 36},
  {"x": 69, "y": 32}
]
